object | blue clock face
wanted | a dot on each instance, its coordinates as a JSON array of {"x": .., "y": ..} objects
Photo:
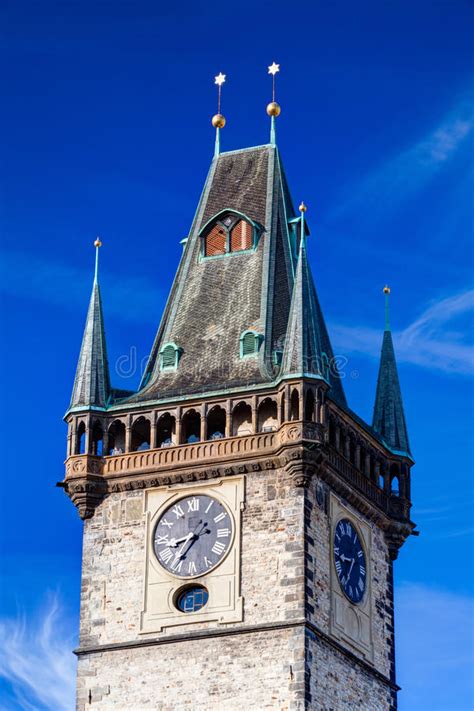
[{"x": 349, "y": 560}]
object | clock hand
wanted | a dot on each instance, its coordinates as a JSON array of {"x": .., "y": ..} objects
[
  {"x": 174, "y": 541},
  {"x": 179, "y": 553},
  {"x": 350, "y": 569}
]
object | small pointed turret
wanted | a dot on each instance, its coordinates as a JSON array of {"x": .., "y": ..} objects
[
  {"x": 389, "y": 417},
  {"x": 92, "y": 381},
  {"x": 308, "y": 351}
]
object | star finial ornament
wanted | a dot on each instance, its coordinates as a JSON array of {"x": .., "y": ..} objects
[
  {"x": 220, "y": 79},
  {"x": 273, "y": 68}
]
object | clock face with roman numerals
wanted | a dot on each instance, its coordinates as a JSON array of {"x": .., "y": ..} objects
[
  {"x": 349, "y": 559},
  {"x": 193, "y": 535}
]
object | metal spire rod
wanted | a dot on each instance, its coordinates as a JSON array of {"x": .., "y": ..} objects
[
  {"x": 386, "y": 291},
  {"x": 97, "y": 245},
  {"x": 218, "y": 120}
]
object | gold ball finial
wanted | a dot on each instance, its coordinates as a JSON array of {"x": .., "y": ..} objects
[
  {"x": 302, "y": 207},
  {"x": 218, "y": 121},
  {"x": 97, "y": 242},
  {"x": 386, "y": 289},
  {"x": 273, "y": 109}
]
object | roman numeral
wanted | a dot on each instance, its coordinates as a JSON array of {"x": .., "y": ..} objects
[
  {"x": 192, "y": 568},
  {"x": 336, "y": 550},
  {"x": 166, "y": 523},
  {"x": 219, "y": 517},
  {"x": 178, "y": 511},
  {"x": 193, "y": 504},
  {"x": 223, "y": 532},
  {"x": 361, "y": 584},
  {"x": 348, "y": 529},
  {"x": 362, "y": 570},
  {"x": 160, "y": 540},
  {"x": 166, "y": 554},
  {"x": 209, "y": 506},
  {"x": 176, "y": 565},
  {"x": 338, "y": 566},
  {"x": 360, "y": 553},
  {"x": 207, "y": 562},
  {"x": 218, "y": 548}
]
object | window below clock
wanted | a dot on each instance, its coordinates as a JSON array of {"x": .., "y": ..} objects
[{"x": 192, "y": 599}]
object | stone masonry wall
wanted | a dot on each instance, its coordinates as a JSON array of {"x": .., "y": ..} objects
[
  {"x": 272, "y": 586},
  {"x": 249, "y": 671}
]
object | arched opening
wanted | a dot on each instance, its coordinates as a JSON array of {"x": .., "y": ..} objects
[
  {"x": 352, "y": 450},
  {"x": 309, "y": 406},
  {"x": 81, "y": 439},
  {"x": 216, "y": 423},
  {"x": 165, "y": 430},
  {"x": 116, "y": 438},
  {"x": 140, "y": 435},
  {"x": 267, "y": 420},
  {"x": 394, "y": 480},
  {"x": 242, "y": 420},
  {"x": 295, "y": 405},
  {"x": 191, "y": 427},
  {"x": 342, "y": 441},
  {"x": 381, "y": 481},
  {"x": 97, "y": 439}
]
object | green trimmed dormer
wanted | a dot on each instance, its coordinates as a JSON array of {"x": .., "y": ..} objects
[
  {"x": 250, "y": 342},
  {"x": 169, "y": 356},
  {"x": 228, "y": 232}
]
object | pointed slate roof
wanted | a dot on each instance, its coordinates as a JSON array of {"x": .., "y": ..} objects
[
  {"x": 213, "y": 301},
  {"x": 92, "y": 381},
  {"x": 389, "y": 417},
  {"x": 308, "y": 349}
]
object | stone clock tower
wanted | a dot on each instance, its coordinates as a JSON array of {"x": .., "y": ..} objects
[{"x": 240, "y": 520}]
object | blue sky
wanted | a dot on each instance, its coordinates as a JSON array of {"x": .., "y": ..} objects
[{"x": 105, "y": 130}]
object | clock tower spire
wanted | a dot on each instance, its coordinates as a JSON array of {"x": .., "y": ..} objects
[{"x": 238, "y": 515}]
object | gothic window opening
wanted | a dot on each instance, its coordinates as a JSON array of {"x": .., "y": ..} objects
[
  {"x": 295, "y": 405},
  {"x": 116, "y": 438},
  {"x": 267, "y": 416},
  {"x": 216, "y": 423},
  {"x": 309, "y": 406},
  {"x": 227, "y": 235},
  {"x": 216, "y": 241},
  {"x": 97, "y": 439},
  {"x": 242, "y": 420},
  {"x": 165, "y": 430},
  {"x": 394, "y": 480},
  {"x": 81, "y": 439},
  {"x": 191, "y": 427},
  {"x": 140, "y": 435}
]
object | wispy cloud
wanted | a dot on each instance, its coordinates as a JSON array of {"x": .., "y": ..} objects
[
  {"x": 54, "y": 282},
  {"x": 402, "y": 175},
  {"x": 36, "y": 660},
  {"x": 435, "y": 649},
  {"x": 428, "y": 341}
]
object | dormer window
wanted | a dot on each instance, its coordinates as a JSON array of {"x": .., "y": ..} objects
[
  {"x": 228, "y": 233},
  {"x": 250, "y": 343},
  {"x": 169, "y": 356}
]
